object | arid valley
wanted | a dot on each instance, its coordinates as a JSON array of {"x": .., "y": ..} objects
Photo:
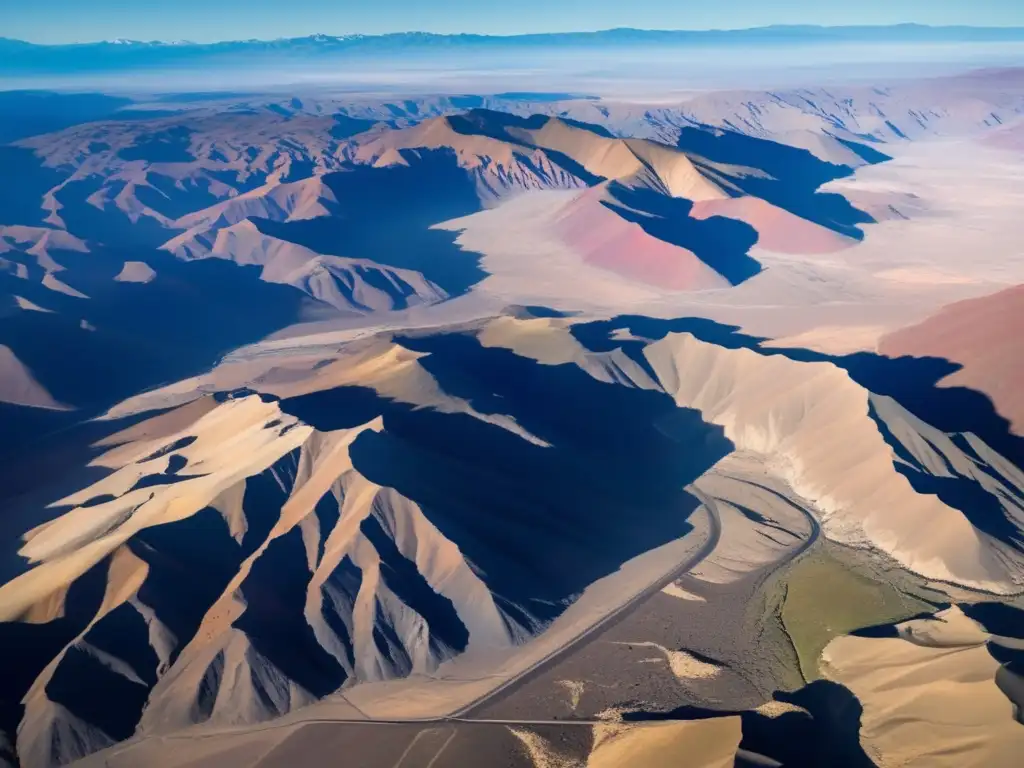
[{"x": 423, "y": 424}]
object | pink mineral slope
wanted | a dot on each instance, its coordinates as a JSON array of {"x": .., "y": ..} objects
[
  {"x": 984, "y": 336},
  {"x": 1011, "y": 137},
  {"x": 604, "y": 239},
  {"x": 778, "y": 230}
]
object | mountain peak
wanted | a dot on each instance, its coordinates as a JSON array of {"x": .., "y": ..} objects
[{"x": 867, "y": 32}]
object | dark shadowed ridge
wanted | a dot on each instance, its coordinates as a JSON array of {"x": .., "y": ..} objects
[
  {"x": 603, "y": 492},
  {"x": 30, "y": 647},
  {"x": 28, "y": 113},
  {"x": 387, "y": 217},
  {"x": 792, "y": 182},
  {"x": 795, "y": 174},
  {"x": 912, "y": 381},
  {"x": 23, "y": 182},
  {"x": 983, "y": 509},
  {"x": 483, "y": 486},
  {"x": 495, "y": 125},
  {"x": 719, "y": 242},
  {"x": 167, "y": 146},
  {"x": 828, "y": 735},
  {"x": 144, "y": 334},
  {"x": 345, "y": 126}
]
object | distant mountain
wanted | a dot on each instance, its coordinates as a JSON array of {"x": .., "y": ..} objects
[{"x": 19, "y": 57}]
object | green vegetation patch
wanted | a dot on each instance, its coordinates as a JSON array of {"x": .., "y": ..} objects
[{"x": 825, "y": 598}]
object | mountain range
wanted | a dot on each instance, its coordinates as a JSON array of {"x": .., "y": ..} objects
[
  {"x": 20, "y": 57},
  {"x": 779, "y": 32},
  {"x": 516, "y": 429}
]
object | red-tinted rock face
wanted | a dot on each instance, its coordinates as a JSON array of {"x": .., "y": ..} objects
[
  {"x": 986, "y": 337},
  {"x": 606, "y": 240},
  {"x": 778, "y": 230}
]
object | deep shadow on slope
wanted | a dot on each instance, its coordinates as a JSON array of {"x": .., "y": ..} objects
[
  {"x": 23, "y": 182},
  {"x": 145, "y": 333},
  {"x": 387, "y": 215},
  {"x": 53, "y": 463},
  {"x": 29, "y": 113},
  {"x": 539, "y": 523},
  {"x": 912, "y": 382},
  {"x": 794, "y": 175},
  {"x": 191, "y": 563},
  {"x": 123, "y": 635},
  {"x": 496, "y": 125},
  {"x": 829, "y": 737},
  {"x": 997, "y": 618},
  {"x": 26, "y": 649},
  {"x": 170, "y": 145},
  {"x": 22, "y": 425},
  {"x": 982, "y": 508},
  {"x": 109, "y": 225},
  {"x": 719, "y": 242},
  {"x": 403, "y": 578},
  {"x": 275, "y": 596},
  {"x": 175, "y": 199},
  {"x": 1009, "y": 677},
  {"x": 345, "y": 126}
]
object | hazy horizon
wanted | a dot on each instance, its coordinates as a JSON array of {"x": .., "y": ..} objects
[
  {"x": 626, "y": 71},
  {"x": 525, "y": 34},
  {"x": 200, "y": 22}
]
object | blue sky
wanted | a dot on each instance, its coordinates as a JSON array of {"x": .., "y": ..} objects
[{"x": 61, "y": 21}]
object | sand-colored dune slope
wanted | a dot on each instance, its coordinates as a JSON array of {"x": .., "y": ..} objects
[
  {"x": 19, "y": 387},
  {"x": 1010, "y": 137},
  {"x": 268, "y": 496},
  {"x": 236, "y": 563},
  {"x": 853, "y": 457},
  {"x": 857, "y": 459},
  {"x": 511, "y": 154},
  {"x": 929, "y": 695},
  {"x": 711, "y": 743},
  {"x": 823, "y": 433}
]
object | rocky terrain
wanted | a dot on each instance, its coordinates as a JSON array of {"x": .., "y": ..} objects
[{"x": 555, "y": 429}]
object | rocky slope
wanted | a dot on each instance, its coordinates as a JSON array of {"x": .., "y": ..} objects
[{"x": 363, "y": 517}]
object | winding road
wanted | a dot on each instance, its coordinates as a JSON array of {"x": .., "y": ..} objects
[
  {"x": 468, "y": 714},
  {"x": 606, "y": 621}
]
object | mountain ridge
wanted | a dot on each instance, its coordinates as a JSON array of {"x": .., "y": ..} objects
[{"x": 600, "y": 35}]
